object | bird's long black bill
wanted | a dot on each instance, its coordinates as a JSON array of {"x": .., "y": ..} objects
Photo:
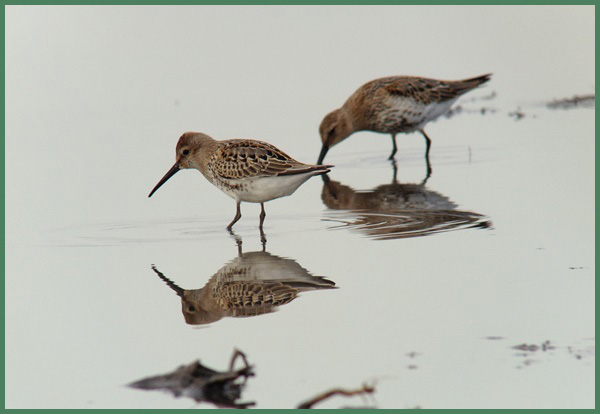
[
  {"x": 163, "y": 180},
  {"x": 324, "y": 150},
  {"x": 169, "y": 282}
]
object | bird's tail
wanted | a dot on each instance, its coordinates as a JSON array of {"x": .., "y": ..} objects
[
  {"x": 306, "y": 168},
  {"x": 325, "y": 170},
  {"x": 476, "y": 81},
  {"x": 463, "y": 86}
]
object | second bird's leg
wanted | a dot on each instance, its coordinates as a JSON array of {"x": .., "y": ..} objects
[
  {"x": 427, "y": 148},
  {"x": 394, "y": 148},
  {"x": 429, "y": 170},
  {"x": 238, "y": 215},
  {"x": 428, "y": 145},
  {"x": 395, "y": 175}
]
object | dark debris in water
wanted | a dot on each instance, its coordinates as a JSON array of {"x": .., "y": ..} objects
[
  {"x": 577, "y": 101},
  {"x": 364, "y": 390},
  {"x": 527, "y": 351},
  {"x": 460, "y": 109},
  {"x": 517, "y": 114},
  {"x": 545, "y": 346},
  {"x": 224, "y": 389},
  {"x": 531, "y": 353},
  {"x": 204, "y": 384}
]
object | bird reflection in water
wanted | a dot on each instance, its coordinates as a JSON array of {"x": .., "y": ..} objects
[
  {"x": 254, "y": 283},
  {"x": 395, "y": 211}
]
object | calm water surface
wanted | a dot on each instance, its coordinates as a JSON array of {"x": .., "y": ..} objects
[{"x": 443, "y": 291}]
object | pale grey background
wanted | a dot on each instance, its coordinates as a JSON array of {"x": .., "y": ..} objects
[{"x": 96, "y": 98}]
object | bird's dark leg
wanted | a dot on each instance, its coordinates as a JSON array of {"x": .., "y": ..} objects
[
  {"x": 429, "y": 170},
  {"x": 427, "y": 148},
  {"x": 394, "y": 148},
  {"x": 262, "y": 215},
  {"x": 238, "y": 241},
  {"x": 395, "y": 167},
  {"x": 238, "y": 215},
  {"x": 428, "y": 145},
  {"x": 263, "y": 238}
]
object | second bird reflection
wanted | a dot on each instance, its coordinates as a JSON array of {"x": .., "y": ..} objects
[
  {"x": 254, "y": 283},
  {"x": 395, "y": 210}
]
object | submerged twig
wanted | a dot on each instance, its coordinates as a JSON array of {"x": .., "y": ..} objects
[{"x": 365, "y": 389}]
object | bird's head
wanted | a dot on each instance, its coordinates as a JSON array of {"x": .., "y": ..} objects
[
  {"x": 189, "y": 153},
  {"x": 334, "y": 128}
]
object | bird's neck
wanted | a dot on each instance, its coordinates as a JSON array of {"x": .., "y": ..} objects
[
  {"x": 352, "y": 117},
  {"x": 349, "y": 122}
]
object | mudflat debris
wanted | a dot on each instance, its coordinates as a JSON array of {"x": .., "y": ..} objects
[
  {"x": 517, "y": 114},
  {"x": 545, "y": 346},
  {"x": 203, "y": 384},
  {"x": 364, "y": 390},
  {"x": 577, "y": 101}
]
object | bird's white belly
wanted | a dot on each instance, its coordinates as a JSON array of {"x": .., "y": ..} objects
[
  {"x": 404, "y": 115},
  {"x": 261, "y": 189},
  {"x": 435, "y": 110}
]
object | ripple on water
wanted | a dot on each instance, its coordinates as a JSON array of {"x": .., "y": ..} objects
[
  {"x": 164, "y": 230},
  {"x": 136, "y": 232}
]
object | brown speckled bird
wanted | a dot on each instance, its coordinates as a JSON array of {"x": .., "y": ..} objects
[
  {"x": 244, "y": 169},
  {"x": 392, "y": 105}
]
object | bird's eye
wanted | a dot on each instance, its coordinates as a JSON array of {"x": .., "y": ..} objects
[{"x": 186, "y": 152}]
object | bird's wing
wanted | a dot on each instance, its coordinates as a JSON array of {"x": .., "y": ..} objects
[
  {"x": 254, "y": 295},
  {"x": 242, "y": 158},
  {"x": 426, "y": 90}
]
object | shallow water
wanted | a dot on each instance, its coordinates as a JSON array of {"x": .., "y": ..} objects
[{"x": 447, "y": 288}]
